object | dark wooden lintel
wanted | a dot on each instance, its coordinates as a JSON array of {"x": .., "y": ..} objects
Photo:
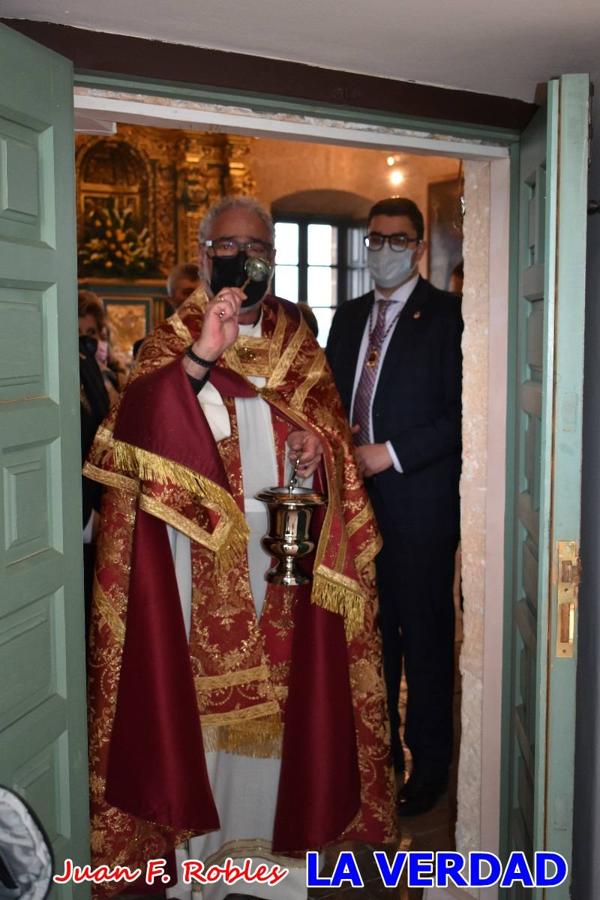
[{"x": 131, "y": 57}]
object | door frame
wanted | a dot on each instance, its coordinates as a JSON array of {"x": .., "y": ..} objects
[
  {"x": 272, "y": 115},
  {"x": 153, "y": 103}
]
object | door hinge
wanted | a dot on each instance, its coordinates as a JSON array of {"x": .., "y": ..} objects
[{"x": 569, "y": 576}]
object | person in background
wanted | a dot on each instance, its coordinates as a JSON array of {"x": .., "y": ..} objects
[
  {"x": 137, "y": 346},
  {"x": 93, "y": 324},
  {"x": 181, "y": 283},
  {"x": 396, "y": 358},
  {"x": 114, "y": 362},
  {"x": 92, "y": 315},
  {"x": 457, "y": 277},
  {"x": 183, "y": 280},
  {"x": 94, "y": 406}
]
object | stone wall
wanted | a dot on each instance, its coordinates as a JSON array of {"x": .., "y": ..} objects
[{"x": 473, "y": 496}]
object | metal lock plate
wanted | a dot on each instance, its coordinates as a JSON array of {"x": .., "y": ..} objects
[{"x": 568, "y": 591}]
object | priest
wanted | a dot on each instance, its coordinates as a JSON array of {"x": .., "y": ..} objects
[{"x": 231, "y": 717}]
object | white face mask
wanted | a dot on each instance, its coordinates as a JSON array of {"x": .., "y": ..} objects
[{"x": 390, "y": 268}]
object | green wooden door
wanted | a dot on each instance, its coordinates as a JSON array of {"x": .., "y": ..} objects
[
  {"x": 544, "y": 476},
  {"x": 42, "y": 670}
]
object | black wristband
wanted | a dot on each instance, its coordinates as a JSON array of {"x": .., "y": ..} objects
[{"x": 207, "y": 363}]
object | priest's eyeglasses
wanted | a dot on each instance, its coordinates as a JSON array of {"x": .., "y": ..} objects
[
  {"x": 230, "y": 246},
  {"x": 398, "y": 242}
]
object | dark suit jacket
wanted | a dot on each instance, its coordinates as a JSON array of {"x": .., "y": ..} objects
[{"x": 417, "y": 406}]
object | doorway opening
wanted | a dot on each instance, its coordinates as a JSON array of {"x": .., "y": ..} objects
[
  {"x": 324, "y": 174},
  {"x": 154, "y": 184}
]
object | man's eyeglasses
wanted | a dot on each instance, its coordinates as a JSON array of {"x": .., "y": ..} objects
[
  {"x": 229, "y": 246},
  {"x": 398, "y": 242}
]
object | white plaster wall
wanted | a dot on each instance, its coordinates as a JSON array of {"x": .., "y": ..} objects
[
  {"x": 485, "y": 313},
  {"x": 473, "y": 496}
]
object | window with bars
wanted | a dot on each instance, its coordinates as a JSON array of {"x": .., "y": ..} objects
[{"x": 322, "y": 263}]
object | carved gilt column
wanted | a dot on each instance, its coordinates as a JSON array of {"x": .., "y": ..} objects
[
  {"x": 209, "y": 167},
  {"x": 199, "y": 184},
  {"x": 239, "y": 181}
]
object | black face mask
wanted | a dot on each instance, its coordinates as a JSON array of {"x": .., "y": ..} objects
[
  {"x": 88, "y": 345},
  {"x": 229, "y": 271}
]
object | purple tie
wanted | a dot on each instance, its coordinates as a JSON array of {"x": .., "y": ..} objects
[{"x": 364, "y": 391}]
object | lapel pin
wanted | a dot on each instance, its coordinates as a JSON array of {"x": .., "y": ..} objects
[{"x": 417, "y": 314}]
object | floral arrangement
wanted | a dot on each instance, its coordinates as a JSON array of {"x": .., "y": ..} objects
[{"x": 112, "y": 246}]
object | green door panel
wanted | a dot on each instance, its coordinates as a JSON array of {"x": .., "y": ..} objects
[
  {"x": 543, "y": 481},
  {"x": 43, "y": 754}
]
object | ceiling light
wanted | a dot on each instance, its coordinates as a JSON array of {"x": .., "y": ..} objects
[{"x": 396, "y": 177}]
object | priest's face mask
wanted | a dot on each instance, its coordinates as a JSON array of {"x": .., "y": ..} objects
[{"x": 239, "y": 253}]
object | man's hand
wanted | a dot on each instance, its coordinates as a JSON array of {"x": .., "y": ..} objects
[
  {"x": 373, "y": 459},
  {"x": 219, "y": 329},
  {"x": 308, "y": 448}
]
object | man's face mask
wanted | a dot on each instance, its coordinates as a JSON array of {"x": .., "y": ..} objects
[
  {"x": 388, "y": 267},
  {"x": 232, "y": 271}
]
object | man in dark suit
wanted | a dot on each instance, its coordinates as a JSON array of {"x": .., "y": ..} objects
[{"x": 396, "y": 358}]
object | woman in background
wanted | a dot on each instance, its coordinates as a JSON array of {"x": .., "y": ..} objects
[
  {"x": 94, "y": 406},
  {"x": 92, "y": 324}
]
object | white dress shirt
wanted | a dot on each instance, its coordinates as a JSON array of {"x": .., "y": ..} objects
[{"x": 395, "y": 304}]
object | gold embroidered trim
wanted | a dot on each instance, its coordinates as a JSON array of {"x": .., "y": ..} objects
[
  {"x": 285, "y": 360},
  {"x": 181, "y": 330},
  {"x": 358, "y": 521},
  {"x": 242, "y": 849},
  {"x": 108, "y": 612},
  {"x": 110, "y": 479},
  {"x": 235, "y": 716},
  {"x": 369, "y": 553},
  {"x": 348, "y": 584},
  {"x": 199, "y": 299},
  {"x": 313, "y": 377},
  {"x": 332, "y": 508},
  {"x": 249, "y": 356},
  {"x": 207, "y": 683},
  {"x": 211, "y": 540},
  {"x": 104, "y": 435},
  {"x": 258, "y": 738},
  {"x": 230, "y": 543},
  {"x": 342, "y": 549},
  {"x": 270, "y": 396},
  {"x": 339, "y": 594},
  {"x": 277, "y": 338}
]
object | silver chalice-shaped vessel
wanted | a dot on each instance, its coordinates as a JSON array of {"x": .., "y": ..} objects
[{"x": 290, "y": 513}]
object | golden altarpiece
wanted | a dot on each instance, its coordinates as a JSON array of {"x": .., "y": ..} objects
[{"x": 141, "y": 195}]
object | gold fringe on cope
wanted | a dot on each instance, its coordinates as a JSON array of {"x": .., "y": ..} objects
[
  {"x": 110, "y": 479},
  {"x": 340, "y": 598},
  {"x": 258, "y": 738},
  {"x": 231, "y": 544}
]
